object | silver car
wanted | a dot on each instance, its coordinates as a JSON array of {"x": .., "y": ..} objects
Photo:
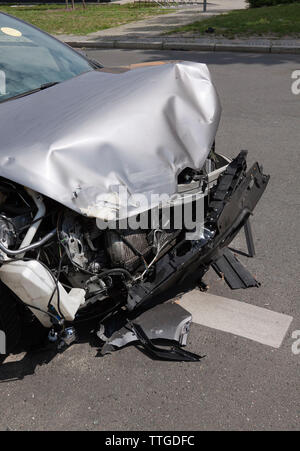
[{"x": 113, "y": 198}]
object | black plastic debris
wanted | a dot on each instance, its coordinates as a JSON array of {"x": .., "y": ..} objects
[
  {"x": 234, "y": 273},
  {"x": 167, "y": 324},
  {"x": 175, "y": 353}
]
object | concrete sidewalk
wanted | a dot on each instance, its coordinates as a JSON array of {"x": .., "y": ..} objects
[
  {"x": 158, "y": 25},
  {"x": 151, "y": 34},
  {"x": 202, "y": 44}
]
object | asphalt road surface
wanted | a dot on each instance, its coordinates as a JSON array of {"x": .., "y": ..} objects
[{"x": 241, "y": 384}]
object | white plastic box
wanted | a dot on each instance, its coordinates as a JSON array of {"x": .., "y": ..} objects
[{"x": 33, "y": 284}]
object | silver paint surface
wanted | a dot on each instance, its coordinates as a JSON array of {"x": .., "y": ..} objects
[{"x": 79, "y": 141}]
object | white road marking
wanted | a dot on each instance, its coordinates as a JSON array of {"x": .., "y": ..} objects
[{"x": 238, "y": 318}]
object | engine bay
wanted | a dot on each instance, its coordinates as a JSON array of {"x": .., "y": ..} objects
[{"x": 65, "y": 269}]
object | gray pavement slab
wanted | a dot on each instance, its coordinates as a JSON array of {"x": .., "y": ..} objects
[{"x": 239, "y": 318}]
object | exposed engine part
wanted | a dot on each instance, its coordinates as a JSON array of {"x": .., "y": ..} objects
[
  {"x": 188, "y": 175},
  {"x": 77, "y": 236},
  {"x": 25, "y": 249},
  {"x": 163, "y": 238},
  {"x": 9, "y": 227},
  {"x": 75, "y": 277},
  {"x": 7, "y": 232},
  {"x": 41, "y": 210},
  {"x": 67, "y": 338},
  {"x": 192, "y": 179},
  {"x": 71, "y": 238},
  {"x": 127, "y": 248},
  {"x": 97, "y": 289},
  {"x": 62, "y": 339}
]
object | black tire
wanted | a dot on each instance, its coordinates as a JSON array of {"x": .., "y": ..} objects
[{"x": 10, "y": 322}]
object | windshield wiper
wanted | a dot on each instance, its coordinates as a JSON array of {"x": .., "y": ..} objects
[{"x": 32, "y": 91}]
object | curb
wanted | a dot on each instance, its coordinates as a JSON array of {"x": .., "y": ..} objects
[{"x": 157, "y": 44}]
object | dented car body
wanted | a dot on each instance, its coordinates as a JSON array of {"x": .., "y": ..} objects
[{"x": 112, "y": 196}]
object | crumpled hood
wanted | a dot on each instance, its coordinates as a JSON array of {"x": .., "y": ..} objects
[{"x": 79, "y": 141}]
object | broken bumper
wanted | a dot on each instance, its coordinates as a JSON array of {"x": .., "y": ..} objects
[{"x": 232, "y": 201}]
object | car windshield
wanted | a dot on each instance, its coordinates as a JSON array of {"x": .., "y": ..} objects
[{"x": 30, "y": 59}]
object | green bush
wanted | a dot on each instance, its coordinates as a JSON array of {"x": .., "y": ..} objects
[{"x": 258, "y": 3}]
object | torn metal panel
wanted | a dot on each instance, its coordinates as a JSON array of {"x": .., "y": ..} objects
[
  {"x": 164, "y": 322},
  {"x": 79, "y": 141},
  {"x": 175, "y": 353}
]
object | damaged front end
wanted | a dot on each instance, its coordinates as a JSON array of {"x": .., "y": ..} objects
[
  {"x": 231, "y": 202},
  {"x": 70, "y": 252},
  {"x": 142, "y": 272}
]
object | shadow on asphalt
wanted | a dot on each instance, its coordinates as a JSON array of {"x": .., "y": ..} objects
[
  {"x": 36, "y": 351},
  {"x": 17, "y": 370}
]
